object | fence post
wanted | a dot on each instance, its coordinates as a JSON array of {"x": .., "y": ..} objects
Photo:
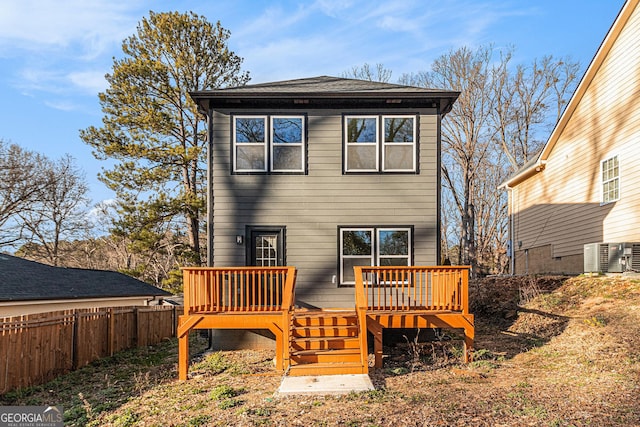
[
  {"x": 74, "y": 341},
  {"x": 174, "y": 324},
  {"x": 111, "y": 321},
  {"x": 136, "y": 320}
]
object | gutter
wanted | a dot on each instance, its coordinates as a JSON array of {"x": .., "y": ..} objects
[{"x": 523, "y": 175}]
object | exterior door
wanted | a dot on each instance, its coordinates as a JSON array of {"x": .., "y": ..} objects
[{"x": 266, "y": 246}]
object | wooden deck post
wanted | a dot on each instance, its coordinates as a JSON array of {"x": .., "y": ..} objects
[
  {"x": 183, "y": 336},
  {"x": 280, "y": 343},
  {"x": 469, "y": 336},
  {"x": 376, "y": 330},
  {"x": 183, "y": 356}
]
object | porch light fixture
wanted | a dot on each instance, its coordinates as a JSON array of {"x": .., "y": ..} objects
[{"x": 239, "y": 239}]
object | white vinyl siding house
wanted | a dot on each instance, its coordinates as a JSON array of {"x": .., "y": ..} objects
[{"x": 584, "y": 187}]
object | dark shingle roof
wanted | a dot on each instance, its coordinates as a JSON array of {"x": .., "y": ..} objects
[
  {"x": 326, "y": 91},
  {"x": 325, "y": 84},
  {"x": 22, "y": 280}
]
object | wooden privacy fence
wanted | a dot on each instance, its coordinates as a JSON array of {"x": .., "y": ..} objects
[{"x": 36, "y": 348}]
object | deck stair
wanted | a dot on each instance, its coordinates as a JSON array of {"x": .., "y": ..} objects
[{"x": 325, "y": 342}]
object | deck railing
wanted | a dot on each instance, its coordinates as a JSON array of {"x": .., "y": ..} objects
[
  {"x": 433, "y": 288},
  {"x": 238, "y": 289}
]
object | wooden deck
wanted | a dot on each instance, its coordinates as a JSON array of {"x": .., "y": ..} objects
[
  {"x": 327, "y": 341},
  {"x": 414, "y": 297},
  {"x": 236, "y": 298}
]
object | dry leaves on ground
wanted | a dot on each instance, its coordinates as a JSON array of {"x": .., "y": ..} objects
[{"x": 549, "y": 352}]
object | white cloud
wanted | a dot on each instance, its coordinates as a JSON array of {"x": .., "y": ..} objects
[
  {"x": 91, "y": 82},
  {"x": 274, "y": 21},
  {"x": 331, "y": 36},
  {"x": 61, "y": 105},
  {"x": 36, "y": 79},
  {"x": 62, "y": 48},
  {"x": 92, "y": 26},
  {"x": 58, "y": 81}
]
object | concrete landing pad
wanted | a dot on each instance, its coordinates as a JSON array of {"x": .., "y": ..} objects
[{"x": 325, "y": 384}]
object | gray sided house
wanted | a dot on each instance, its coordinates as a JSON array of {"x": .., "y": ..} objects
[{"x": 323, "y": 174}]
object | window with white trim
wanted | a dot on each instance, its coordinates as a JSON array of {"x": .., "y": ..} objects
[
  {"x": 287, "y": 144},
  {"x": 366, "y": 151},
  {"x": 373, "y": 246},
  {"x": 250, "y": 144},
  {"x": 610, "y": 180},
  {"x": 269, "y": 144}
]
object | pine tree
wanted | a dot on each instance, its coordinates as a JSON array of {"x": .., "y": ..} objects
[{"x": 151, "y": 128}]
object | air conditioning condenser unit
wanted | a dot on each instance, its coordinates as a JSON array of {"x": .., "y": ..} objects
[{"x": 612, "y": 257}]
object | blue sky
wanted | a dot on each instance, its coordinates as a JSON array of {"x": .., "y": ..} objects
[{"x": 54, "y": 53}]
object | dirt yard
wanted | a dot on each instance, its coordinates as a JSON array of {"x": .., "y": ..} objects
[{"x": 549, "y": 351}]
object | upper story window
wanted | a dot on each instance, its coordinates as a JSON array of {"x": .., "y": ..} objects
[
  {"x": 380, "y": 143},
  {"x": 287, "y": 145},
  {"x": 268, "y": 144},
  {"x": 610, "y": 180},
  {"x": 374, "y": 246}
]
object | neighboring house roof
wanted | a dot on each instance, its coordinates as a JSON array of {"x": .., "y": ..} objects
[
  {"x": 24, "y": 280},
  {"x": 538, "y": 163},
  {"x": 325, "y": 90}
]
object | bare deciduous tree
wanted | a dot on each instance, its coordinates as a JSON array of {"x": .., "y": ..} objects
[
  {"x": 365, "y": 72},
  {"x": 59, "y": 213},
  {"x": 499, "y": 122},
  {"x": 21, "y": 184},
  {"x": 529, "y": 101}
]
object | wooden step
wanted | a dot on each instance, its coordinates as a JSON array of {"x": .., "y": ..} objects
[
  {"x": 326, "y": 369},
  {"x": 324, "y": 321},
  {"x": 324, "y": 312},
  {"x": 322, "y": 331},
  {"x": 336, "y": 352},
  {"x": 314, "y": 359},
  {"x": 324, "y": 343},
  {"x": 325, "y": 356}
]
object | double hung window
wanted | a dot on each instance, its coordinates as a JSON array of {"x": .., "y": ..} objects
[
  {"x": 610, "y": 180},
  {"x": 269, "y": 144},
  {"x": 380, "y": 143},
  {"x": 373, "y": 246}
]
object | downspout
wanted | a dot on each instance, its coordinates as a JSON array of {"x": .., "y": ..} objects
[
  {"x": 438, "y": 192},
  {"x": 511, "y": 248},
  {"x": 210, "y": 201},
  {"x": 512, "y": 255},
  {"x": 512, "y": 243},
  {"x": 209, "y": 187}
]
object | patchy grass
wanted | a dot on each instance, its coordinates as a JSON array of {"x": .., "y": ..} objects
[{"x": 551, "y": 352}]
